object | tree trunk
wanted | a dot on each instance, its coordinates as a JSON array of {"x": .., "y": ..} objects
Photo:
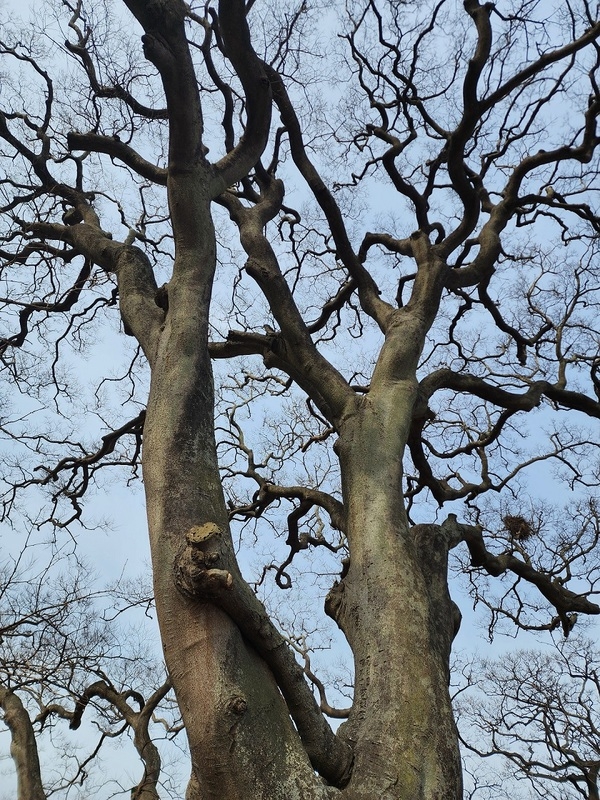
[
  {"x": 242, "y": 742},
  {"x": 395, "y": 610},
  {"x": 23, "y": 747},
  {"x": 393, "y": 606}
]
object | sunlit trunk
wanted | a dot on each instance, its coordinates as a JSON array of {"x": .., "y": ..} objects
[{"x": 241, "y": 739}]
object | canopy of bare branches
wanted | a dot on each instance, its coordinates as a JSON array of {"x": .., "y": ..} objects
[{"x": 326, "y": 276}]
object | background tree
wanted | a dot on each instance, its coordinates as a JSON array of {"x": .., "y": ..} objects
[
  {"x": 455, "y": 237},
  {"x": 66, "y": 663},
  {"x": 539, "y": 711}
]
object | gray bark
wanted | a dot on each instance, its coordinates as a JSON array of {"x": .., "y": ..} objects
[
  {"x": 23, "y": 747},
  {"x": 394, "y": 608}
]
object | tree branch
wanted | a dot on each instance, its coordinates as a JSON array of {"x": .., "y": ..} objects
[
  {"x": 114, "y": 147},
  {"x": 257, "y": 90},
  {"x": 294, "y": 346},
  {"x": 564, "y": 600},
  {"x": 194, "y": 570},
  {"x": 471, "y": 384},
  {"x": 368, "y": 291}
]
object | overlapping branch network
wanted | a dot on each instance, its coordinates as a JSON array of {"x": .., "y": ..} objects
[{"x": 476, "y": 272}]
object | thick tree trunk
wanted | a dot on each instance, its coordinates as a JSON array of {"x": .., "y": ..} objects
[
  {"x": 23, "y": 747},
  {"x": 242, "y": 742},
  {"x": 394, "y": 608},
  {"x": 241, "y": 738}
]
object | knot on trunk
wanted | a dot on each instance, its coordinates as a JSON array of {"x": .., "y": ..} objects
[
  {"x": 237, "y": 705},
  {"x": 158, "y": 51},
  {"x": 194, "y": 570},
  {"x": 334, "y": 602}
]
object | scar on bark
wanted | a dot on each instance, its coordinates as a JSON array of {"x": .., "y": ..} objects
[{"x": 195, "y": 574}]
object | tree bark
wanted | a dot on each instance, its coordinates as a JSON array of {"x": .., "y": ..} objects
[
  {"x": 23, "y": 747},
  {"x": 242, "y": 741},
  {"x": 393, "y": 605}
]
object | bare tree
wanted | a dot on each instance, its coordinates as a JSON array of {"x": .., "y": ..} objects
[
  {"x": 540, "y": 712},
  {"x": 432, "y": 195},
  {"x": 63, "y": 656}
]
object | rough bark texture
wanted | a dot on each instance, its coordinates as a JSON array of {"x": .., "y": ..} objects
[
  {"x": 240, "y": 734},
  {"x": 229, "y": 701},
  {"x": 394, "y": 608},
  {"x": 23, "y": 747}
]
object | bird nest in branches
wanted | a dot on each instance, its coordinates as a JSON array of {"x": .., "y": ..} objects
[{"x": 518, "y": 527}]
